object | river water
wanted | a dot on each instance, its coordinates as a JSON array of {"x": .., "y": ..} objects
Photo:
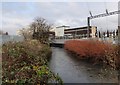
[{"x": 72, "y": 70}]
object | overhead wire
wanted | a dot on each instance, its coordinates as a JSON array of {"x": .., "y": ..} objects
[
  {"x": 94, "y": 22},
  {"x": 106, "y": 13},
  {"x": 90, "y": 12}
]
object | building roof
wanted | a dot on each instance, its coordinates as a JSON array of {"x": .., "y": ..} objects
[{"x": 62, "y": 26}]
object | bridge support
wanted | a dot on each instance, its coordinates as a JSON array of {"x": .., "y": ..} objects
[{"x": 60, "y": 45}]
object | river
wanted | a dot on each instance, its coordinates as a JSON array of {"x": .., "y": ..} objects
[{"x": 72, "y": 70}]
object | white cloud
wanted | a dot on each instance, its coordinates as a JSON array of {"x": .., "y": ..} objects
[
  {"x": 106, "y": 23},
  {"x": 12, "y": 24},
  {"x": 72, "y": 14},
  {"x": 0, "y": 16},
  {"x": 60, "y": 0},
  {"x": 72, "y": 22}
]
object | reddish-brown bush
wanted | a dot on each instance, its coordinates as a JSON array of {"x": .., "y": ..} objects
[{"x": 92, "y": 50}]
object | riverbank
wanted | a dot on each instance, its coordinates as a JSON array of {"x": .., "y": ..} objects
[
  {"x": 95, "y": 52},
  {"x": 27, "y": 62},
  {"x": 72, "y": 70}
]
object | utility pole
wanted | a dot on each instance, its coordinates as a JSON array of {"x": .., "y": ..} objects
[
  {"x": 88, "y": 29},
  {"x": 119, "y": 35},
  {"x": 119, "y": 24},
  {"x": 119, "y": 41}
]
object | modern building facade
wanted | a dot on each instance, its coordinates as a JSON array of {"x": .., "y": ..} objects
[
  {"x": 79, "y": 32},
  {"x": 60, "y": 31}
]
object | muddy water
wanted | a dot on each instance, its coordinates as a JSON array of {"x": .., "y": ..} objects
[{"x": 72, "y": 70}]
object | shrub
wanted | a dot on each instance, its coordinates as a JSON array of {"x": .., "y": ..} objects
[
  {"x": 113, "y": 57},
  {"x": 92, "y": 50},
  {"x": 117, "y": 50},
  {"x": 26, "y": 62}
]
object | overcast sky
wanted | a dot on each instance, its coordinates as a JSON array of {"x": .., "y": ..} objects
[{"x": 16, "y": 15}]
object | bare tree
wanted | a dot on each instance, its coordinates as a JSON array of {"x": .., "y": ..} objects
[
  {"x": 26, "y": 33},
  {"x": 40, "y": 28}
]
